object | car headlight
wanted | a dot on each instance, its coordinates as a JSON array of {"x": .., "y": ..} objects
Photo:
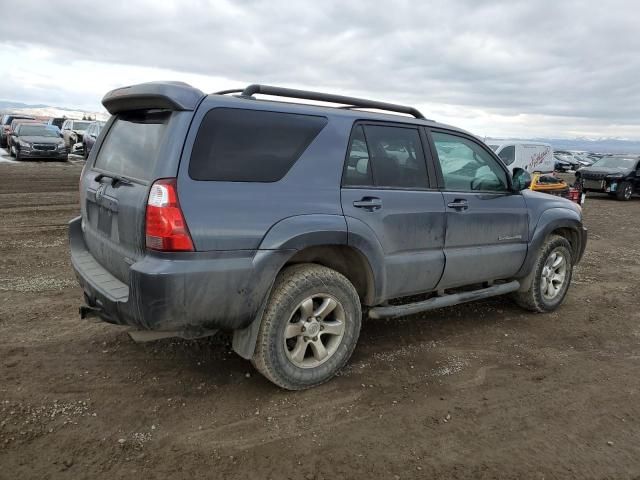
[{"x": 24, "y": 144}]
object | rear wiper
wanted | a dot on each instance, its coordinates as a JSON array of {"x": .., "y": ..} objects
[{"x": 115, "y": 179}]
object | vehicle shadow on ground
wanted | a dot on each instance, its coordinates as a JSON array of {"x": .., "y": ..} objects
[{"x": 212, "y": 359}]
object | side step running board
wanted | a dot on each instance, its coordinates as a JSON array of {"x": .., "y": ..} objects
[{"x": 395, "y": 311}]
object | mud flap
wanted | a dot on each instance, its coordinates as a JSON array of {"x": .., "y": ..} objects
[{"x": 244, "y": 340}]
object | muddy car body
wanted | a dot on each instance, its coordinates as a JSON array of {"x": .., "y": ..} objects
[{"x": 282, "y": 222}]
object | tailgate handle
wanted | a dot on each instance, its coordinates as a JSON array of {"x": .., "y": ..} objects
[
  {"x": 115, "y": 179},
  {"x": 458, "y": 204},
  {"x": 368, "y": 203}
]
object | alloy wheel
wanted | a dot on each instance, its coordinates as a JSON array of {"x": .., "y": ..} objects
[
  {"x": 554, "y": 275},
  {"x": 314, "y": 331}
]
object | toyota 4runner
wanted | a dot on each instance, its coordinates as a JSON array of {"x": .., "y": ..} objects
[{"x": 284, "y": 222}]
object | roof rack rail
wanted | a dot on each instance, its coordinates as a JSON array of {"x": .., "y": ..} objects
[
  {"x": 231, "y": 90},
  {"x": 350, "y": 102}
]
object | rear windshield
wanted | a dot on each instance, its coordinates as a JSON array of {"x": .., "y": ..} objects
[
  {"x": 237, "y": 145},
  {"x": 132, "y": 144}
]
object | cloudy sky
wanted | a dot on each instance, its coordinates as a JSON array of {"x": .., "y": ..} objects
[{"x": 497, "y": 68}]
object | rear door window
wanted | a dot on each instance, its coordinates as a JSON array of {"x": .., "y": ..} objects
[
  {"x": 132, "y": 144},
  {"x": 237, "y": 145},
  {"x": 387, "y": 157}
]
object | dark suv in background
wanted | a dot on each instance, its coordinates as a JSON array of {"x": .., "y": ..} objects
[
  {"x": 617, "y": 175},
  {"x": 5, "y": 126},
  {"x": 283, "y": 223}
]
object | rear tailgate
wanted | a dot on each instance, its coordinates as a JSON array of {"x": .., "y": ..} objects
[{"x": 141, "y": 143}]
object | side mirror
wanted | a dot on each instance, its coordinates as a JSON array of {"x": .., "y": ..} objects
[{"x": 521, "y": 179}]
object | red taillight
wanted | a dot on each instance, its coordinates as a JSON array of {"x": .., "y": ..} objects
[
  {"x": 166, "y": 229},
  {"x": 574, "y": 195}
]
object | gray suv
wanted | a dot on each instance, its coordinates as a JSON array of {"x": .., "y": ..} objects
[{"x": 283, "y": 223}]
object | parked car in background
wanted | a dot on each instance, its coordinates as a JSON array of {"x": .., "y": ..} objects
[
  {"x": 33, "y": 140},
  {"x": 13, "y": 127},
  {"x": 582, "y": 158},
  {"x": 560, "y": 164},
  {"x": 284, "y": 222},
  {"x": 617, "y": 175},
  {"x": 89, "y": 137},
  {"x": 5, "y": 126},
  {"x": 57, "y": 121},
  {"x": 72, "y": 131},
  {"x": 569, "y": 158},
  {"x": 530, "y": 156}
]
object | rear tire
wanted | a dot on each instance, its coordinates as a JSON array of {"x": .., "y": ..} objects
[
  {"x": 309, "y": 329},
  {"x": 625, "y": 191},
  {"x": 551, "y": 277}
]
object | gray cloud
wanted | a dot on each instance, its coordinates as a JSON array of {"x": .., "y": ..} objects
[{"x": 568, "y": 59}]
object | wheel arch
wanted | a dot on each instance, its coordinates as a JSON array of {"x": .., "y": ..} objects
[
  {"x": 555, "y": 221},
  {"x": 317, "y": 238}
]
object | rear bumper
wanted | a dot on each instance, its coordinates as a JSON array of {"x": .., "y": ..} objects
[{"x": 191, "y": 291}]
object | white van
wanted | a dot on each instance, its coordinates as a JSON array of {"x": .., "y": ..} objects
[{"x": 530, "y": 156}]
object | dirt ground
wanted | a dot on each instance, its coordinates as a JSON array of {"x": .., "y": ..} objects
[{"x": 483, "y": 390}]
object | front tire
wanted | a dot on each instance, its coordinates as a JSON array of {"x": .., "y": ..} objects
[
  {"x": 309, "y": 329},
  {"x": 624, "y": 191},
  {"x": 551, "y": 277}
]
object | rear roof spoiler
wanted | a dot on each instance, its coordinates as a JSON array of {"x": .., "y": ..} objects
[{"x": 165, "y": 95}]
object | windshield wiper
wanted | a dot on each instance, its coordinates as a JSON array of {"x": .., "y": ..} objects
[{"x": 115, "y": 179}]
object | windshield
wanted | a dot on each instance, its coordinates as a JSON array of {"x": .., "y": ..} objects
[
  {"x": 616, "y": 162},
  {"x": 80, "y": 125},
  {"x": 36, "y": 131}
]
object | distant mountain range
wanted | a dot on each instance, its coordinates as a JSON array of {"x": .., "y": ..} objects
[
  {"x": 41, "y": 110},
  {"x": 599, "y": 145},
  {"x": 596, "y": 145}
]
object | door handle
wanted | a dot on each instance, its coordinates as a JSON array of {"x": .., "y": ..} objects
[
  {"x": 368, "y": 203},
  {"x": 458, "y": 204}
]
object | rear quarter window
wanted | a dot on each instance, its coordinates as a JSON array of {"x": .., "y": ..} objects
[
  {"x": 238, "y": 145},
  {"x": 132, "y": 144}
]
